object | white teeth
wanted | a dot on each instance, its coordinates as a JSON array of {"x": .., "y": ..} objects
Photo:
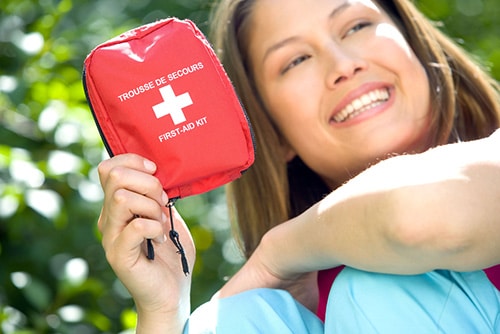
[{"x": 361, "y": 104}]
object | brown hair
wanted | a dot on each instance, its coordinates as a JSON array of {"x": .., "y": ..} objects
[{"x": 465, "y": 99}]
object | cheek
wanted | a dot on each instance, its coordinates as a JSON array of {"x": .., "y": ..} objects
[
  {"x": 296, "y": 123},
  {"x": 288, "y": 105},
  {"x": 284, "y": 110},
  {"x": 411, "y": 72},
  {"x": 390, "y": 33},
  {"x": 402, "y": 56},
  {"x": 418, "y": 87}
]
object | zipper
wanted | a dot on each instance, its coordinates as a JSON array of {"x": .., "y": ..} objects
[{"x": 94, "y": 115}]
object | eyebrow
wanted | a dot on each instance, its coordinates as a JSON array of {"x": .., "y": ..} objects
[{"x": 335, "y": 12}]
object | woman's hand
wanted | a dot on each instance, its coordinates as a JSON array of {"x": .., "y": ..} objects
[{"x": 133, "y": 211}]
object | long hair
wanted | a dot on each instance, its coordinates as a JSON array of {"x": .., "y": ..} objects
[
  {"x": 259, "y": 199},
  {"x": 465, "y": 100}
]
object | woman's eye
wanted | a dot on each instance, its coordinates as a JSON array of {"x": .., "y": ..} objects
[
  {"x": 358, "y": 27},
  {"x": 294, "y": 63}
]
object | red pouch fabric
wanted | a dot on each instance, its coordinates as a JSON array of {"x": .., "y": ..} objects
[{"x": 160, "y": 91}]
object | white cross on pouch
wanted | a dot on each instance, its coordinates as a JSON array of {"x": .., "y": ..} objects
[{"x": 172, "y": 105}]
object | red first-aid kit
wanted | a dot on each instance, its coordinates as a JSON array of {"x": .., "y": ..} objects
[{"x": 160, "y": 91}]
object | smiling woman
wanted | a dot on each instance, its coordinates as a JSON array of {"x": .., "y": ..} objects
[
  {"x": 374, "y": 190},
  {"x": 335, "y": 87},
  {"x": 312, "y": 63},
  {"x": 43, "y": 110}
]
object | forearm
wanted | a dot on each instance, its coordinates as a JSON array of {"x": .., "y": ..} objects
[
  {"x": 339, "y": 230},
  {"x": 408, "y": 214}
]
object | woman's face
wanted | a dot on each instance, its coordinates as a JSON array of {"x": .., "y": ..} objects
[{"x": 340, "y": 81}]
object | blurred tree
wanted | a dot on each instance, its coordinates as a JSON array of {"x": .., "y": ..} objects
[{"x": 53, "y": 275}]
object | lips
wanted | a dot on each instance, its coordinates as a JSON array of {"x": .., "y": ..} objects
[{"x": 361, "y": 104}]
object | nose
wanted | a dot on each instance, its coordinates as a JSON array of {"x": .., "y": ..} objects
[{"x": 342, "y": 64}]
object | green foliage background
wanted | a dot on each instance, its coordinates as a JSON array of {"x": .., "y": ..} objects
[{"x": 53, "y": 275}]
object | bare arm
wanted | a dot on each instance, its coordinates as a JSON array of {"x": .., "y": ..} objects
[
  {"x": 411, "y": 214},
  {"x": 406, "y": 215}
]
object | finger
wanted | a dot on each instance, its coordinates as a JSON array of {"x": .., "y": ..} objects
[
  {"x": 124, "y": 205},
  {"x": 128, "y": 160},
  {"x": 120, "y": 177},
  {"x": 124, "y": 208},
  {"x": 128, "y": 246}
]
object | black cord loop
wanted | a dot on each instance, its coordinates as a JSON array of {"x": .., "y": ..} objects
[{"x": 174, "y": 236}]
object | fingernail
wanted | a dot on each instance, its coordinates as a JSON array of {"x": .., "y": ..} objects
[
  {"x": 149, "y": 165},
  {"x": 164, "y": 218},
  {"x": 164, "y": 198}
]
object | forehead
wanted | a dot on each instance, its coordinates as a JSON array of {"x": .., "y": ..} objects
[
  {"x": 270, "y": 16},
  {"x": 280, "y": 9},
  {"x": 274, "y": 20}
]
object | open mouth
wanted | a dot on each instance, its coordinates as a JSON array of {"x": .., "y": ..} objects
[{"x": 362, "y": 104}]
